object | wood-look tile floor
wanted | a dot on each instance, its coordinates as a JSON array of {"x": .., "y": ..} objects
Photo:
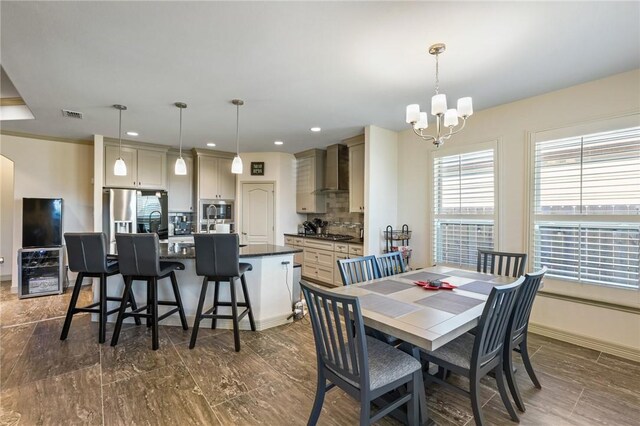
[{"x": 271, "y": 381}]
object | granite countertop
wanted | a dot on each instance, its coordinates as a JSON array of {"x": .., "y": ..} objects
[
  {"x": 354, "y": 240},
  {"x": 188, "y": 251}
]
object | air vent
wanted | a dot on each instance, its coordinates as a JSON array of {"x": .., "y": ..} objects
[{"x": 71, "y": 114}]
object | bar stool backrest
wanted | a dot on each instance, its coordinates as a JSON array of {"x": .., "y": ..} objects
[
  {"x": 524, "y": 302},
  {"x": 390, "y": 263},
  {"x": 359, "y": 269},
  {"x": 138, "y": 254},
  {"x": 217, "y": 255},
  {"x": 87, "y": 251}
]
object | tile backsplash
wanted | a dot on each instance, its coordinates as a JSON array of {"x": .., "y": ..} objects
[{"x": 338, "y": 216}]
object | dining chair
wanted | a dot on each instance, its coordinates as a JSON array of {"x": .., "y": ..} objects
[
  {"x": 390, "y": 263},
  {"x": 501, "y": 263},
  {"x": 358, "y": 269},
  {"x": 476, "y": 356},
  {"x": 363, "y": 367},
  {"x": 516, "y": 336}
]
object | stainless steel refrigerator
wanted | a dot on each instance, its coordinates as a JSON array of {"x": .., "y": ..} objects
[{"x": 135, "y": 211}]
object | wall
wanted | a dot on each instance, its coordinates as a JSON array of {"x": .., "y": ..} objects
[
  {"x": 341, "y": 221},
  {"x": 511, "y": 124},
  {"x": 281, "y": 169},
  {"x": 6, "y": 217},
  {"x": 48, "y": 168}
]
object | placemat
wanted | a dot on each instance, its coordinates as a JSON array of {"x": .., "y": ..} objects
[
  {"x": 450, "y": 302},
  {"x": 470, "y": 274},
  {"x": 385, "y": 306},
  {"x": 481, "y": 287},
  {"x": 387, "y": 286},
  {"x": 425, "y": 276}
]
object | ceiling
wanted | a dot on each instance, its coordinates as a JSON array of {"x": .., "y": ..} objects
[{"x": 337, "y": 65}]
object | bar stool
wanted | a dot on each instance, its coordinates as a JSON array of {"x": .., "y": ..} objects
[
  {"x": 139, "y": 259},
  {"x": 87, "y": 253},
  {"x": 218, "y": 259}
]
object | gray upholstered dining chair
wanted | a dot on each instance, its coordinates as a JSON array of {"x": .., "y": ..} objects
[
  {"x": 476, "y": 356},
  {"x": 501, "y": 263},
  {"x": 390, "y": 263},
  {"x": 358, "y": 269},
  {"x": 362, "y": 366}
]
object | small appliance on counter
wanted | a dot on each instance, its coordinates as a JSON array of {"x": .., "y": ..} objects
[{"x": 180, "y": 223}]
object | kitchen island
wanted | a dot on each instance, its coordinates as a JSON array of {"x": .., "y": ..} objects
[{"x": 270, "y": 285}]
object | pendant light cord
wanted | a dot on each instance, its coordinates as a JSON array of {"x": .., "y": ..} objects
[
  {"x": 180, "y": 132},
  {"x": 238, "y": 130},
  {"x": 120, "y": 134}
]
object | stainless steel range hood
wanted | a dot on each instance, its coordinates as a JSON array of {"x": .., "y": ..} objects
[{"x": 336, "y": 172}]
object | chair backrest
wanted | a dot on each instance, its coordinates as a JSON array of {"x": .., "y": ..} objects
[
  {"x": 493, "y": 323},
  {"x": 390, "y": 263},
  {"x": 524, "y": 303},
  {"x": 217, "y": 255},
  {"x": 138, "y": 254},
  {"x": 338, "y": 331},
  {"x": 501, "y": 263},
  {"x": 87, "y": 251},
  {"x": 359, "y": 269}
]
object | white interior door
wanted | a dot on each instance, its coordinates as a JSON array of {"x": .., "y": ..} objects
[{"x": 258, "y": 224}]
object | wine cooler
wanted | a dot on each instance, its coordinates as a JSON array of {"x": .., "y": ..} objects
[{"x": 40, "y": 271}]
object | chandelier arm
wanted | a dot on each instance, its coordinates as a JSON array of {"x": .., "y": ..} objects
[
  {"x": 453, "y": 132},
  {"x": 424, "y": 137}
]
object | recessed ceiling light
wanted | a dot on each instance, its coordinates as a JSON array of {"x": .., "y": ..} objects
[
  {"x": 211, "y": 144},
  {"x": 132, "y": 133},
  {"x": 315, "y": 129},
  {"x": 278, "y": 143}
]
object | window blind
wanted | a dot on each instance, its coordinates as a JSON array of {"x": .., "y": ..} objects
[
  {"x": 586, "y": 207},
  {"x": 464, "y": 206}
]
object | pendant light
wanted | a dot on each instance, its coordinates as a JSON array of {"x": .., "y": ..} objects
[
  {"x": 120, "y": 168},
  {"x": 181, "y": 166},
  {"x": 236, "y": 166}
]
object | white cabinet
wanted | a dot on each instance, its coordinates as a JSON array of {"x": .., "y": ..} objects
[
  {"x": 226, "y": 180},
  {"x": 146, "y": 168},
  {"x": 309, "y": 179},
  {"x": 356, "y": 178},
  {"x": 180, "y": 187},
  {"x": 215, "y": 180}
]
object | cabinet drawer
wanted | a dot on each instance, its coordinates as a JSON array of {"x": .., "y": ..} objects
[
  {"x": 290, "y": 241},
  {"x": 299, "y": 241},
  {"x": 324, "y": 274},
  {"x": 337, "y": 278},
  {"x": 322, "y": 245},
  {"x": 309, "y": 270},
  {"x": 355, "y": 250},
  {"x": 310, "y": 256},
  {"x": 341, "y": 248},
  {"x": 325, "y": 258}
]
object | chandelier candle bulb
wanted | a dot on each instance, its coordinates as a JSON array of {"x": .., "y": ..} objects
[
  {"x": 413, "y": 113},
  {"x": 465, "y": 107},
  {"x": 438, "y": 104},
  {"x": 451, "y": 118},
  {"x": 422, "y": 123}
]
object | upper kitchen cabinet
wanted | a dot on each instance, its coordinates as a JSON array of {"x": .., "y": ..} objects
[
  {"x": 309, "y": 180},
  {"x": 213, "y": 177},
  {"x": 180, "y": 187},
  {"x": 356, "y": 174},
  {"x": 146, "y": 167}
]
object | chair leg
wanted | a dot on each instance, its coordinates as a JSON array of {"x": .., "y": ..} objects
[
  {"x": 134, "y": 306},
  {"x": 321, "y": 388},
  {"x": 365, "y": 409},
  {"x": 196, "y": 323},
  {"x": 149, "y": 302},
  {"x": 72, "y": 307},
  {"x": 121, "y": 312},
  {"x": 176, "y": 292},
  {"x": 246, "y": 299},
  {"x": 413, "y": 412},
  {"x": 234, "y": 314},
  {"x": 216, "y": 295},
  {"x": 524, "y": 351},
  {"x": 504, "y": 394},
  {"x": 475, "y": 400},
  {"x": 102, "y": 314},
  {"x": 154, "y": 314},
  {"x": 511, "y": 380}
]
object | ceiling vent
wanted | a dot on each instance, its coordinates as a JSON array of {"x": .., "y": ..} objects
[{"x": 71, "y": 114}]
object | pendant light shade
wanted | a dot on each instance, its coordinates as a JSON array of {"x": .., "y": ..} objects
[
  {"x": 236, "y": 166},
  {"x": 120, "y": 168},
  {"x": 180, "y": 168}
]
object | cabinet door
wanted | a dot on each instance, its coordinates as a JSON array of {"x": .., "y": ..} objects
[
  {"x": 180, "y": 186},
  {"x": 208, "y": 178},
  {"x": 152, "y": 169},
  {"x": 337, "y": 278},
  {"x": 304, "y": 184},
  {"x": 226, "y": 180},
  {"x": 356, "y": 179},
  {"x": 111, "y": 154},
  {"x": 326, "y": 259},
  {"x": 324, "y": 274},
  {"x": 310, "y": 256}
]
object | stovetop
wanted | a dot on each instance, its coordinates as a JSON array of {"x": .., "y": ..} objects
[{"x": 331, "y": 237}]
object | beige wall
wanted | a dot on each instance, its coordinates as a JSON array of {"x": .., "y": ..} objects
[
  {"x": 45, "y": 168},
  {"x": 511, "y": 124},
  {"x": 6, "y": 217}
]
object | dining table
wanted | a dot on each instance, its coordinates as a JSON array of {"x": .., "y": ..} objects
[{"x": 424, "y": 318}]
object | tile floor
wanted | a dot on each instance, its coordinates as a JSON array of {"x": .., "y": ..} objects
[{"x": 271, "y": 381}]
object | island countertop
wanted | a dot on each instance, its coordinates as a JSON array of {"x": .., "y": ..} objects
[{"x": 172, "y": 251}]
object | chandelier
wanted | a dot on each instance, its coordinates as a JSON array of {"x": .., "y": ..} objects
[{"x": 446, "y": 119}]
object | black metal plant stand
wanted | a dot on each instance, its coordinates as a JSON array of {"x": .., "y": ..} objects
[{"x": 402, "y": 236}]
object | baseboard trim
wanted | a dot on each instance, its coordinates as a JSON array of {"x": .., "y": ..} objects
[
  {"x": 5, "y": 277},
  {"x": 622, "y": 351}
]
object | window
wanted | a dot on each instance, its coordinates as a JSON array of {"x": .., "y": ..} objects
[
  {"x": 586, "y": 207},
  {"x": 464, "y": 206}
]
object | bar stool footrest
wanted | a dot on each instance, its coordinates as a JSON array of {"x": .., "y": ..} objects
[{"x": 171, "y": 312}]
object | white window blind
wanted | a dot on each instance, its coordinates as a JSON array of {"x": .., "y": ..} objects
[
  {"x": 586, "y": 207},
  {"x": 464, "y": 206}
]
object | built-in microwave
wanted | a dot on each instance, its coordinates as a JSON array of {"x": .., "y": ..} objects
[{"x": 216, "y": 209}]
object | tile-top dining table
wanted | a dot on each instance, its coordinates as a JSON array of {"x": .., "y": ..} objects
[{"x": 426, "y": 319}]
